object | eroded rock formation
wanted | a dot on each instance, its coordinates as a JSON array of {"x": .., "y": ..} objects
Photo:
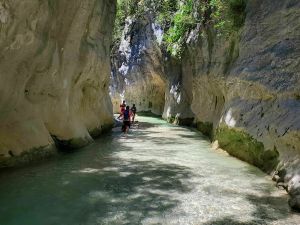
[
  {"x": 137, "y": 68},
  {"x": 143, "y": 74},
  {"x": 54, "y": 68},
  {"x": 178, "y": 95},
  {"x": 246, "y": 89}
]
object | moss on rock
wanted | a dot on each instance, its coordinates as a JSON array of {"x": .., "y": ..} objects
[
  {"x": 205, "y": 128},
  {"x": 185, "y": 121},
  {"x": 98, "y": 131},
  {"x": 26, "y": 157},
  {"x": 74, "y": 143},
  {"x": 180, "y": 121},
  {"x": 245, "y": 147},
  {"x": 171, "y": 119},
  {"x": 148, "y": 113}
]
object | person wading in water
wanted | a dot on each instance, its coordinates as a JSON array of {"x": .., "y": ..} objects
[
  {"x": 126, "y": 120},
  {"x": 122, "y": 109},
  {"x": 133, "y": 110}
]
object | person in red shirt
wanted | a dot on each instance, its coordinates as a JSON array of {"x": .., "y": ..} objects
[{"x": 122, "y": 109}]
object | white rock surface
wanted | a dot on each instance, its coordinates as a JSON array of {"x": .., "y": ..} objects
[{"x": 54, "y": 72}]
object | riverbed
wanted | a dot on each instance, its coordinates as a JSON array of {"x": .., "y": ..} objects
[{"x": 157, "y": 174}]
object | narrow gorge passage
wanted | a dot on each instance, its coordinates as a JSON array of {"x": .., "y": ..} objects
[{"x": 158, "y": 174}]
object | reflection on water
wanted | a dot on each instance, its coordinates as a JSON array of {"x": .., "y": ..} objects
[{"x": 158, "y": 174}]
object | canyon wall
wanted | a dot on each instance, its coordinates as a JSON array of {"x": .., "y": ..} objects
[
  {"x": 242, "y": 91},
  {"x": 54, "y": 71},
  {"x": 178, "y": 94},
  {"x": 143, "y": 74},
  {"x": 137, "y": 74},
  {"x": 246, "y": 90}
]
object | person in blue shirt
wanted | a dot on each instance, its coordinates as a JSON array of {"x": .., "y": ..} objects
[{"x": 126, "y": 119}]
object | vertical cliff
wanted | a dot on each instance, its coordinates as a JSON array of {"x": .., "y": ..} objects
[
  {"x": 242, "y": 86},
  {"x": 144, "y": 74},
  {"x": 137, "y": 67},
  {"x": 178, "y": 94},
  {"x": 246, "y": 89},
  {"x": 54, "y": 72}
]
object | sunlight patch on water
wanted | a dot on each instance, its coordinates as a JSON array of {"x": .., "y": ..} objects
[
  {"x": 158, "y": 174},
  {"x": 87, "y": 170}
]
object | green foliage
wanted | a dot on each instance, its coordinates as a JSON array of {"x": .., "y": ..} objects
[
  {"x": 228, "y": 15},
  {"x": 179, "y": 17},
  {"x": 206, "y": 128},
  {"x": 123, "y": 11},
  {"x": 130, "y": 8},
  {"x": 166, "y": 9},
  {"x": 119, "y": 21},
  {"x": 246, "y": 148},
  {"x": 182, "y": 22}
]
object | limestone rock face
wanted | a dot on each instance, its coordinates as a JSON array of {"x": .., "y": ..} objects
[
  {"x": 137, "y": 68},
  {"x": 144, "y": 75},
  {"x": 246, "y": 89},
  {"x": 178, "y": 96},
  {"x": 54, "y": 72}
]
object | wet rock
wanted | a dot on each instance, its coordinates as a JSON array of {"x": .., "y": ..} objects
[
  {"x": 275, "y": 178},
  {"x": 30, "y": 156},
  {"x": 294, "y": 202}
]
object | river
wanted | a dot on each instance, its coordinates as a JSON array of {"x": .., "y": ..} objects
[{"x": 158, "y": 174}]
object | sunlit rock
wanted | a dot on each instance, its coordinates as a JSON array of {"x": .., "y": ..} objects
[
  {"x": 246, "y": 87},
  {"x": 145, "y": 76},
  {"x": 137, "y": 68},
  {"x": 54, "y": 72}
]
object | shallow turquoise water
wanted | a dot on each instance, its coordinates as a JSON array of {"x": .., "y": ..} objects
[{"x": 158, "y": 174}]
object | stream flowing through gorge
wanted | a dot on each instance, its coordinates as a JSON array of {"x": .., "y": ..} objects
[{"x": 158, "y": 174}]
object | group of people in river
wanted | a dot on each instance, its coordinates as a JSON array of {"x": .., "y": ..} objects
[{"x": 127, "y": 114}]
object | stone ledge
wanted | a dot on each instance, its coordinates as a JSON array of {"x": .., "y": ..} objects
[{"x": 29, "y": 156}]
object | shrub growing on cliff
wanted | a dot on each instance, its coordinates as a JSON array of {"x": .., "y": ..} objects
[
  {"x": 179, "y": 17},
  {"x": 182, "y": 22},
  {"x": 119, "y": 21},
  {"x": 228, "y": 15},
  {"x": 225, "y": 15}
]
